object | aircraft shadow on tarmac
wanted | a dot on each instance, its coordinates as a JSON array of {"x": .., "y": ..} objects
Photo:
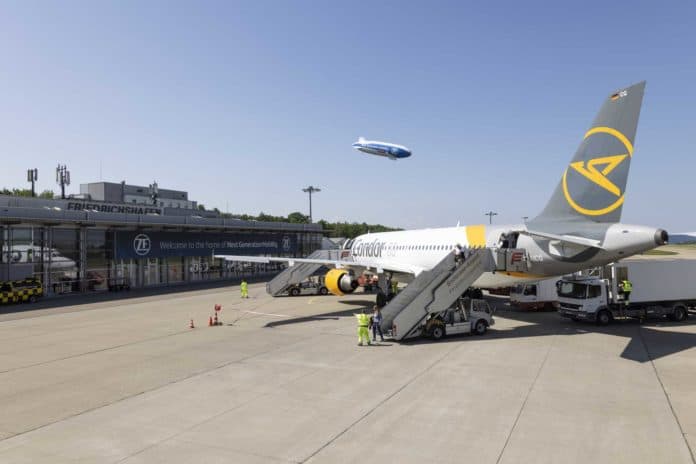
[
  {"x": 362, "y": 303},
  {"x": 359, "y": 304},
  {"x": 336, "y": 315},
  {"x": 646, "y": 342}
]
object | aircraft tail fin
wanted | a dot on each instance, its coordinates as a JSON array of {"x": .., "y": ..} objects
[{"x": 593, "y": 185}]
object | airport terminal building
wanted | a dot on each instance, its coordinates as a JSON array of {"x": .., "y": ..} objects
[{"x": 84, "y": 245}]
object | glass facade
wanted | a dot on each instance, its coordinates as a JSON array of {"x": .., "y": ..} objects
[{"x": 83, "y": 259}]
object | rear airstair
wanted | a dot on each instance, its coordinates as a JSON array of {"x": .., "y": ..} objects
[
  {"x": 299, "y": 272},
  {"x": 437, "y": 289}
]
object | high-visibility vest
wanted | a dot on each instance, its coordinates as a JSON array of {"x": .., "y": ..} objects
[
  {"x": 363, "y": 320},
  {"x": 627, "y": 286}
]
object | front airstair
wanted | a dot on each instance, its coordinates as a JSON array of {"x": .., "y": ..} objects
[
  {"x": 298, "y": 272},
  {"x": 437, "y": 289}
]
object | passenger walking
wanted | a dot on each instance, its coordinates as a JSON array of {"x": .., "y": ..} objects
[
  {"x": 363, "y": 322},
  {"x": 377, "y": 323},
  {"x": 458, "y": 253},
  {"x": 244, "y": 287}
]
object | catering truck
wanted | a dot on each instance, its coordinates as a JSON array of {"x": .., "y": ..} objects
[
  {"x": 661, "y": 288},
  {"x": 538, "y": 295}
]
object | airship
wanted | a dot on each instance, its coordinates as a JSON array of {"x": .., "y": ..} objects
[{"x": 390, "y": 150}]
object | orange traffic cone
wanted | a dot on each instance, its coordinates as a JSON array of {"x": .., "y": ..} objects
[
  {"x": 210, "y": 321},
  {"x": 191, "y": 326}
]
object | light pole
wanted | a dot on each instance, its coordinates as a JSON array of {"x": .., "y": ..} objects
[
  {"x": 490, "y": 215},
  {"x": 62, "y": 179},
  {"x": 154, "y": 192},
  {"x": 311, "y": 189},
  {"x": 32, "y": 176}
]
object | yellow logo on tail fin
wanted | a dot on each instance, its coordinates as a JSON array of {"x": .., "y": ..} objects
[
  {"x": 600, "y": 178},
  {"x": 590, "y": 171}
]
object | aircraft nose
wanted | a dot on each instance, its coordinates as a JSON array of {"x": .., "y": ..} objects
[{"x": 661, "y": 237}]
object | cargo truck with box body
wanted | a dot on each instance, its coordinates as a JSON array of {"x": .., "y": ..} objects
[{"x": 660, "y": 288}]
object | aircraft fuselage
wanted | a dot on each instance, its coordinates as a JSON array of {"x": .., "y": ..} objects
[{"x": 423, "y": 249}]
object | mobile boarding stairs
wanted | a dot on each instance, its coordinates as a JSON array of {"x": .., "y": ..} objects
[
  {"x": 298, "y": 272},
  {"x": 439, "y": 288}
]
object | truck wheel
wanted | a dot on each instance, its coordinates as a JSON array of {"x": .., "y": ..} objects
[
  {"x": 603, "y": 317},
  {"x": 294, "y": 291},
  {"x": 481, "y": 327},
  {"x": 679, "y": 314},
  {"x": 437, "y": 332},
  {"x": 323, "y": 291}
]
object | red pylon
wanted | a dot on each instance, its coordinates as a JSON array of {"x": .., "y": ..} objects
[
  {"x": 191, "y": 326},
  {"x": 216, "y": 320},
  {"x": 210, "y": 321}
]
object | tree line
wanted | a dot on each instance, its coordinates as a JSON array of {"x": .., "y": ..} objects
[
  {"x": 334, "y": 229},
  {"x": 26, "y": 193}
]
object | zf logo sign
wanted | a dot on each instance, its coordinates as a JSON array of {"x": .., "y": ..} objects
[
  {"x": 605, "y": 194},
  {"x": 142, "y": 244}
]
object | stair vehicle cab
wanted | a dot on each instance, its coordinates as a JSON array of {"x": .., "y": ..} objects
[
  {"x": 467, "y": 315},
  {"x": 308, "y": 287}
]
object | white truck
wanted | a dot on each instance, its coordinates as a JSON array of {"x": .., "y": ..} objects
[
  {"x": 539, "y": 295},
  {"x": 467, "y": 315},
  {"x": 661, "y": 287}
]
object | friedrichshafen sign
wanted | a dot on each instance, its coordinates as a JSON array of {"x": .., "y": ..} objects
[{"x": 113, "y": 207}]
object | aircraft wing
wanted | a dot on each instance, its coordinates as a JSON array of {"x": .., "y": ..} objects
[
  {"x": 582, "y": 241},
  {"x": 338, "y": 263}
]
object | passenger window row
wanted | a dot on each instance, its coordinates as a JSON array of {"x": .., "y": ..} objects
[{"x": 419, "y": 247}]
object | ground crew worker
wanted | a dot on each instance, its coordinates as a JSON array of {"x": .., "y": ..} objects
[
  {"x": 363, "y": 322},
  {"x": 627, "y": 288},
  {"x": 394, "y": 287},
  {"x": 244, "y": 287}
]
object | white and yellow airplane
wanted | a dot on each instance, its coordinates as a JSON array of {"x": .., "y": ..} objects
[{"x": 578, "y": 229}]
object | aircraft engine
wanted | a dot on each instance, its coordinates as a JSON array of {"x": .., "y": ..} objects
[{"x": 339, "y": 282}]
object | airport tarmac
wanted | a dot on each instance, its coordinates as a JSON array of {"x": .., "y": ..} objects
[{"x": 126, "y": 381}]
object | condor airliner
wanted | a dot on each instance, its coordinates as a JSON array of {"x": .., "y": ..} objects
[{"x": 579, "y": 228}]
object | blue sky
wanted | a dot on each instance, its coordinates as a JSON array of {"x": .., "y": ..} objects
[{"x": 245, "y": 103}]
